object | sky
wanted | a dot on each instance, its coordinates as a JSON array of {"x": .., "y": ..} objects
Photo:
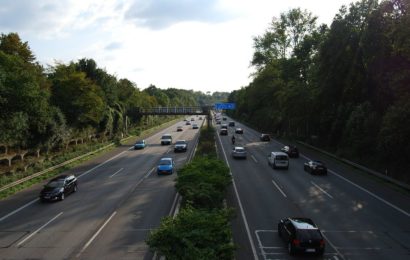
[{"x": 203, "y": 45}]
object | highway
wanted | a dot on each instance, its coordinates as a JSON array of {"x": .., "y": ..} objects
[
  {"x": 360, "y": 217},
  {"x": 120, "y": 198}
]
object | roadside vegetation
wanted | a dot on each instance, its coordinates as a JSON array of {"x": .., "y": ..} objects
[
  {"x": 201, "y": 230},
  {"x": 48, "y": 115},
  {"x": 342, "y": 88}
]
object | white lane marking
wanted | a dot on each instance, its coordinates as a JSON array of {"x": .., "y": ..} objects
[
  {"x": 101, "y": 164},
  {"x": 96, "y": 234},
  {"x": 255, "y": 255},
  {"x": 253, "y": 157},
  {"x": 116, "y": 172},
  {"x": 365, "y": 190},
  {"x": 277, "y": 186},
  {"x": 38, "y": 230},
  {"x": 17, "y": 210},
  {"x": 317, "y": 186},
  {"x": 372, "y": 194}
]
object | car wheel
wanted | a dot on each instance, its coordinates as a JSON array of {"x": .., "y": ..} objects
[
  {"x": 62, "y": 196},
  {"x": 291, "y": 250}
]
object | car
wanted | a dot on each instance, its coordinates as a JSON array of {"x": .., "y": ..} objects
[
  {"x": 192, "y": 119},
  {"x": 195, "y": 126},
  {"x": 238, "y": 130},
  {"x": 291, "y": 150},
  {"x": 301, "y": 235},
  {"x": 224, "y": 118},
  {"x": 180, "y": 146},
  {"x": 224, "y": 126},
  {"x": 239, "y": 152},
  {"x": 165, "y": 166},
  {"x": 140, "y": 144},
  {"x": 59, "y": 187},
  {"x": 188, "y": 123},
  {"x": 180, "y": 129},
  {"x": 223, "y": 131},
  {"x": 315, "y": 167},
  {"x": 166, "y": 139},
  {"x": 278, "y": 160},
  {"x": 264, "y": 137},
  {"x": 231, "y": 123},
  {"x": 218, "y": 122}
]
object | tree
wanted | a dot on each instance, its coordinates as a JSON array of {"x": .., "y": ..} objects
[{"x": 11, "y": 44}]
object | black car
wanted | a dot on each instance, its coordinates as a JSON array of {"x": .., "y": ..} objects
[
  {"x": 231, "y": 123},
  {"x": 223, "y": 131},
  {"x": 291, "y": 150},
  {"x": 301, "y": 235},
  {"x": 59, "y": 187},
  {"x": 265, "y": 137},
  {"x": 315, "y": 167}
]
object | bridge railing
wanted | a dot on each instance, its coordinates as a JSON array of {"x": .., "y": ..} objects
[{"x": 194, "y": 110}]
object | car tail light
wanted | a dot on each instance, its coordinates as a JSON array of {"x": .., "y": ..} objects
[
  {"x": 296, "y": 242},
  {"x": 322, "y": 243}
]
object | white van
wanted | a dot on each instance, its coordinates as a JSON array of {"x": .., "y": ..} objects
[
  {"x": 278, "y": 160},
  {"x": 166, "y": 139}
]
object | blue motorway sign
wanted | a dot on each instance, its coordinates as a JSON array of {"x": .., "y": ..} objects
[{"x": 226, "y": 106}]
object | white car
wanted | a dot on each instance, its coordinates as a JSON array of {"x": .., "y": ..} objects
[
  {"x": 239, "y": 152},
  {"x": 278, "y": 160}
]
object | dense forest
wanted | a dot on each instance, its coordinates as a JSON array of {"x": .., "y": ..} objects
[
  {"x": 45, "y": 108},
  {"x": 345, "y": 88}
]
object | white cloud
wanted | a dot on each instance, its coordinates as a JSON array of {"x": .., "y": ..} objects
[{"x": 202, "y": 44}]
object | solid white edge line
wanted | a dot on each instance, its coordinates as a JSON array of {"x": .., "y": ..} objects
[
  {"x": 38, "y": 230},
  {"x": 96, "y": 234},
  {"x": 253, "y": 157},
  {"x": 255, "y": 255},
  {"x": 317, "y": 186},
  {"x": 365, "y": 190},
  {"x": 116, "y": 172},
  {"x": 277, "y": 186},
  {"x": 17, "y": 210},
  {"x": 372, "y": 194}
]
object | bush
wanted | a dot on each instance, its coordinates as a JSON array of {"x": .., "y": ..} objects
[
  {"x": 203, "y": 182},
  {"x": 194, "y": 234}
]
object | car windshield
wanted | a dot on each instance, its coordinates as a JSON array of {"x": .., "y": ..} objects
[
  {"x": 240, "y": 150},
  {"x": 165, "y": 162},
  {"x": 55, "y": 184},
  {"x": 180, "y": 142},
  {"x": 140, "y": 142}
]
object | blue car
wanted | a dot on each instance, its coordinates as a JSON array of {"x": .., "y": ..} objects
[
  {"x": 139, "y": 145},
  {"x": 165, "y": 166}
]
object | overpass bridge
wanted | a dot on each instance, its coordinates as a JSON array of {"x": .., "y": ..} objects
[{"x": 169, "y": 111}]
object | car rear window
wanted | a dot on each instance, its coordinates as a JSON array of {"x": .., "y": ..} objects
[
  {"x": 166, "y": 137},
  {"x": 309, "y": 234},
  {"x": 180, "y": 142},
  {"x": 165, "y": 162},
  {"x": 281, "y": 157}
]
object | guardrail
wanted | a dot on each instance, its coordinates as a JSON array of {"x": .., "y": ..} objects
[
  {"x": 10, "y": 185},
  {"x": 358, "y": 166}
]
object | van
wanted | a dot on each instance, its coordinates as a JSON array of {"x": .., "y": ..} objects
[
  {"x": 278, "y": 160},
  {"x": 166, "y": 139}
]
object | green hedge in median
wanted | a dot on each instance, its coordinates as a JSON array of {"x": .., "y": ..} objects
[
  {"x": 194, "y": 234},
  {"x": 203, "y": 182}
]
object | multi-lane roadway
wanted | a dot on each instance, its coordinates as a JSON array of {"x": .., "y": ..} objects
[
  {"x": 119, "y": 200},
  {"x": 360, "y": 217}
]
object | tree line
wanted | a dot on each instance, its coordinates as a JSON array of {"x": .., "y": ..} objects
[
  {"x": 44, "y": 108},
  {"x": 345, "y": 88}
]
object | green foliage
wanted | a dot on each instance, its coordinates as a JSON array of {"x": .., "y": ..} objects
[
  {"x": 345, "y": 85},
  {"x": 206, "y": 145},
  {"x": 203, "y": 182},
  {"x": 194, "y": 234}
]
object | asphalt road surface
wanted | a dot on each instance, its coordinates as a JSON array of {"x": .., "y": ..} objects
[
  {"x": 120, "y": 198},
  {"x": 360, "y": 217}
]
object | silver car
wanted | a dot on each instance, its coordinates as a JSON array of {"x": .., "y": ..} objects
[{"x": 239, "y": 152}]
